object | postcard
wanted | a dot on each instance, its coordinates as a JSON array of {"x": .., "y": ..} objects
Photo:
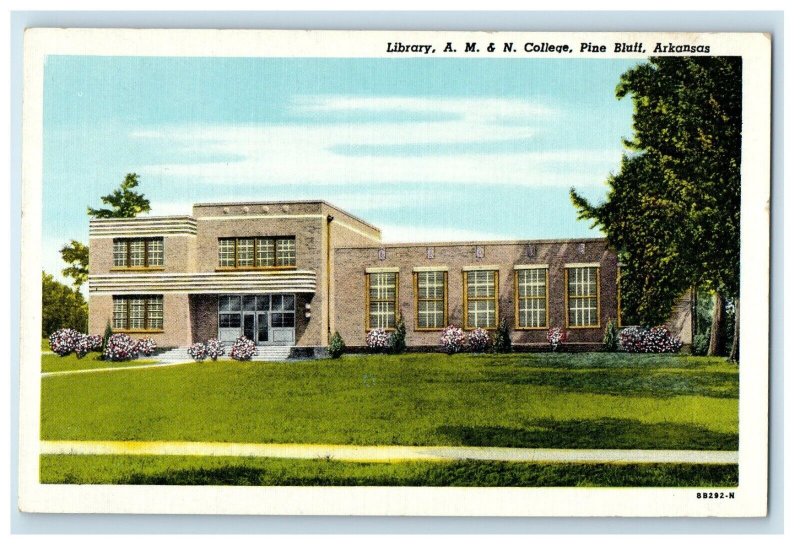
[{"x": 395, "y": 273}]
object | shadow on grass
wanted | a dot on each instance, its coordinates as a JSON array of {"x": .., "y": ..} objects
[
  {"x": 466, "y": 473},
  {"x": 626, "y": 382},
  {"x": 602, "y": 433}
]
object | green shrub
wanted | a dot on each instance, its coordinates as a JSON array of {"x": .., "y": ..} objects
[
  {"x": 610, "y": 340},
  {"x": 397, "y": 341},
  {"x": 502, "y": 338},
  {"x": 336, "y": 346},
  {"x": 106, "y": 335}
]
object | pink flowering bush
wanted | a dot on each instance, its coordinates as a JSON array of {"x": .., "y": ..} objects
[
  {"x": 63, "y": 341},
  {"x": 378, "y": 339},
  {"x": 197, "y": 351},
  {"x": 120, "y": 347},
  {"x": 94, "y": 342},
  {"x": 452, "y": 339},
  {"x": 81, "y": 347},
  {"x": 556, "y": 337},
  {"x": 243, "y": 349},
  {"x": 214, "y": 349},
  {"x": 657, "y": 340},
  {"x": 146, "y": 346},
  {"x": 479, "y": 340}
]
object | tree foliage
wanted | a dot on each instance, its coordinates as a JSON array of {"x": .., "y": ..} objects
[
  {"x": 62, "y": 307},
  {"x": 76, "y": 255},
  {"x": 673, "y": 208},
  {"x": 124, "y": 201}
]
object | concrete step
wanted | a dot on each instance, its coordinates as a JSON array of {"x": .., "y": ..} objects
[{"x": 263, "y": 353}]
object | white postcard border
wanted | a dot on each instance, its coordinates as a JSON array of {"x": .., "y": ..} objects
[{"x": 751, "y": 493}]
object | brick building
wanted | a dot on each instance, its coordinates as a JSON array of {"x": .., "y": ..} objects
[{"x": 289, "y": 273}]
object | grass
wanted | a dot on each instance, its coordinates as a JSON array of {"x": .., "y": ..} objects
[
  {"x": 518, "y": 400},
  {"x": 199, "y": 470},
  {"x": 52, "y": 363}
]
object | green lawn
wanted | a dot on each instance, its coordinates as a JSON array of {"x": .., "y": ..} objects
[
  {"x": 198, "y": 470},
  {"x": 518, "y": 400},
  {"x": 52, "y": 362}
]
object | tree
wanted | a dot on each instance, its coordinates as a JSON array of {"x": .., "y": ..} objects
[
  {"x": 673, "y": 209},
  {"x": 124, "y": 201},
  {"x": 76, "y": 255},
  {"x": 62, "y": 307}
]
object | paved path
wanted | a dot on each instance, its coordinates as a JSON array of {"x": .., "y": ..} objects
[
  {"x": 109, "y": 369},
  {"x": 352, "y": 453}
]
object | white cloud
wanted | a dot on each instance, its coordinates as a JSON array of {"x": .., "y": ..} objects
[
  {"x": 466, "y": 108},
  {"x": 317, "y": 154}
]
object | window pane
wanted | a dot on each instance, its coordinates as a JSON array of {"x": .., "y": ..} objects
[
  {"x": 285, "y": 252},
  {"x": 136, "y": 313},
  {"x": 263, "y": 302},
  {"x": 230, "y": 302},
  {"x": 120, "y": 313},
  {"x": 265, "y": 252},
  {"x": 583, "y": 297},
  {"x": 245, "y": 248},
  {"x": 229, "y": 320},
  {"x": 120, "y": 253},
  {"x": 248, "y": 302},
  {"x": 136, "y": 257},
  {"x": 155, "y": 313},
  {"x": 430, "y": 299},
  {"x": 155, "y": 252},
  {"x": 226, "y": 252},
  {"x": 481, "y": 299}
]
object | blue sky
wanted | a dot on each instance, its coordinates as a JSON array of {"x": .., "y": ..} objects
[{"x": 426, "y": 149}]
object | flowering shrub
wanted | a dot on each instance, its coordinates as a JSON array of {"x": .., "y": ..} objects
[
  {"x": 197, "y": 351},
  {"x": 63, "y": 341},
  {"x": 214, "y": 349},
  {"x": 94, "y": 342},
  {"x": 81, "y": 346},
  {"x": 556, "y": 337},
  {"x": 243, "y": 349},
  {"x": 120, "y": 347},
  {"x": 643, "y": 340},
  {"x": 452, "y": 339},
  {"x": 479, "y": 340},
  {"x": 378, "y": 339},
  {"x": 146, "y": 346}
]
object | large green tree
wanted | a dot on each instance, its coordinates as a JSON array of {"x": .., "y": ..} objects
[
  {"x": 673, "y": 209},
  {"x": 76, "y": 255},
  {"x": 124, "y": 201},
  {"x": 62, "y": 307}
]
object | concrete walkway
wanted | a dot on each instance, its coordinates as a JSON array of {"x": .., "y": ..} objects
[
  {"x": 352, "y": 453},
  {"x": 109, "y": 369}
]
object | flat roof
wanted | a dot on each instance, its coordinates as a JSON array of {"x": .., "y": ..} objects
[
  {"x": 472, "y": 243},
  {"x": 313, "y": 201}
]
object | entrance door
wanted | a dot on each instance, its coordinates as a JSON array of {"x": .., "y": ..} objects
[
  {"x": 262, "y": 319},
  {"x": 249, "y": 325}
]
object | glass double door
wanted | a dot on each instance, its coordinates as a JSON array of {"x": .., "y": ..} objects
[{"x": 265, "y": 319}]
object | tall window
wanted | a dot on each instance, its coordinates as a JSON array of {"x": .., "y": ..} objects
[
  {"x": 259, "y": 252},
  {"x": 138, "y": 312},
  {"x": 431, "y": 288},
  {"x": 480, "y": 289},
  {"x": 531, "y": 298},
  {"x": 138, "y": 252},
  {"x": 583, "y": 296},
  {"x": 382, "y": 300}
]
